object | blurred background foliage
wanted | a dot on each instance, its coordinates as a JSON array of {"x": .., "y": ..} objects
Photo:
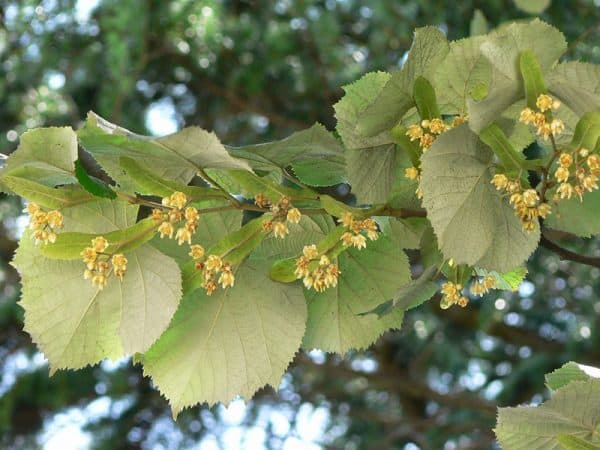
[{"x": 254, "y": 71}]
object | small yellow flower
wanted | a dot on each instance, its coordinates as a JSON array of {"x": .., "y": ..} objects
[
  {"x": 178, "y": 200},
  {"x": 359, "y": 241},
  {"x": 412, "y": 173},
  {"x": 55, "y": 219},
  {"x": 593, "y": 162},
  {"x": 157, "y": 215},
  {"x": 183, "y": 235},
  {"x": 489, "y": 282},
  {"x": 414, "y": 132},
  {"x": 191, "y": 214},
  {"x": 590, "y": 183},
  {"x": 565, "y": 190},
  {"x": 500, "y": 181},
  {"x": 437, "y": 126},
  {"x": 99, "y": 244},
  {"x": 310, "y": 251},
  {"x": 544, "y": 210},
  {"x": 261, "y": 201},
  {"x": 302, "y": 269},
  {"x": 324, "y": 261},
  {"x": 280, "y": 229},
  {"x": 214, "y": 262},
  {"x": 32, "y": 208},
  {"x": 557, "y": 127},
  {"x": 565, "y": 160},
  {"x": 531, "y": 198},
  {"x": 294, "y": 215},
  {"x": 166, "y": 229},
  {"x": 346, "y": 219},
  {"x": 583, "y": 152},
  {"x": 527, "y": 116},
  {"x": 544, "y": 102},
  {"x": 210, "y": 287},
  {"x": 426, "y": 141},
  {"x": 99, "y": 280},
  {"x": 196, "y": 251},
  {"x": 561, "y": 174},
  {"x": 227, "y": 279},
  {"x": 332, "y": 274},
  {"x": 119, "y": 262},
  {"x": 88, "y": 255}
]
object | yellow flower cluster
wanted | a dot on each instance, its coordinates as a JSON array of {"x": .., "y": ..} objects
[
  {"x": 353, "y": 237},
  {"x": 540, "y": 117},
  {"x": 176, "y": 211},
  {"x": 99, "y": 265},
  {"x": 481, "y": 287},
  {"x": 426, "y": 132},
  {"x": 452, "y": 295},
  {"x": 212, "y": 266},
  {"x": 282, "y": 211},
  {"x": 577, "y": 173},
  {"x": 526, "y": 202},
  {"x": 43, "y": 224},
  {"x": 318, "y": 276}
]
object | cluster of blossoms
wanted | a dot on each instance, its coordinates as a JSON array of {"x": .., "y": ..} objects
[
  {"x": 577, "y": 173},
  {"x": 211, "y": 266},
  {"x": 99, "y": 265},
  {"x": 282, "y": 212},
  {"x": 540, "y": 118},
  {"x": 452, "y": 295},
  {"x": 481, "y": 287},
  {"x": 176, "y": 211},
  {"x": 426, "y": 132},
  {"x": 44, "y": 224},
  {"x": 354, "y": 237},
  {"x": 318, "y": 275},
  {"x": 526, "y": 202}
]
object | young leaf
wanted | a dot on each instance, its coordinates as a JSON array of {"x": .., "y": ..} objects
[
  {"x": 383, "y": 112},
  {"x": 577, "y": 85},
  {"x": 69, "y": 245},
  {"x": 572, "y": 410},
  {"x": 48, "y": 197},
  {"x": 94, "y": 187},
  {"x": 315, "y": 156},
  {"x": 473, "y": 224},
  {"x": 76, "y": 324},
  {"x": 570, "y": 372},
  {"x": 478, "y": 24},
  {"x": 45, "y": 155},
  {"x": 424, "y": 96},
  {"x": 148, "y": 183},
  {"x": 231, "y": 343}
]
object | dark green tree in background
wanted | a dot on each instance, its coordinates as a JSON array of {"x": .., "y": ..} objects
[{"x": 255, "y": 71}]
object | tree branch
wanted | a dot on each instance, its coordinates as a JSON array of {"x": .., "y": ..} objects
[{"x": 567, "y": 255}]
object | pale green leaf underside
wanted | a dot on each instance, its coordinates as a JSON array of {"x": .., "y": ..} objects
[
  {"x": 473, "y": 224},
  {"x": 577, "y": 85},
  {"x": 570, "y": 372},
  {"x": 75, "y": 324},
  {"x": 231, "y": 343},
  {"x": 577, "y": 217},
  {"x": 572, "y": 410},
  {"x": 369, "y": 277}
]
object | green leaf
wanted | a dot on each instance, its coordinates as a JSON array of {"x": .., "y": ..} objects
[
  {"x": 512, "y": 160},
  {"x": 99, "y": 216},
  {"x": 176, "y": 157},
  {"x": 93, "y": 186},
  {"x": 426, "y": 54},
  {"x": 69, "y": 245},
  {"x": 408, "y": 231},
  {"x": 368, "y": 278},
  {"x": 424, "y": 96},
  {"x": 502, "y": 49},
  {"x": 473, "y": 224},
  {"x": 45, "y": 155},
  {"x": 148, "y": 183},
  {"x": 478, "y": 24},
  {"x": 75, "y": 324},
  {"x": 48, "y": 197},
  {"x": 533, "y": 80},
  {"x": 315, "y": 156},
  {"x": 570, "y": 442},
  {"x": 577, "y": 217},
  {"x": 253, "y": 184},
  {"x": 508, "y": 281},
  {"x": 231, "y": 343},
  {"x": 463, "y": 72},
  {"x": 587, "y": 132},
  {"x": 577, "y": 85},
  {"x": 570, "y": 372},
  {"x": 410, "y": 296},
  {"x": 572, "y": 410},
  {"x": 532, "y": 6},
  {"x": 370, "y": 161}
]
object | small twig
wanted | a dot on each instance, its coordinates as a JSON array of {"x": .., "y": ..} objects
[{"x": 565, "y": 254}]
